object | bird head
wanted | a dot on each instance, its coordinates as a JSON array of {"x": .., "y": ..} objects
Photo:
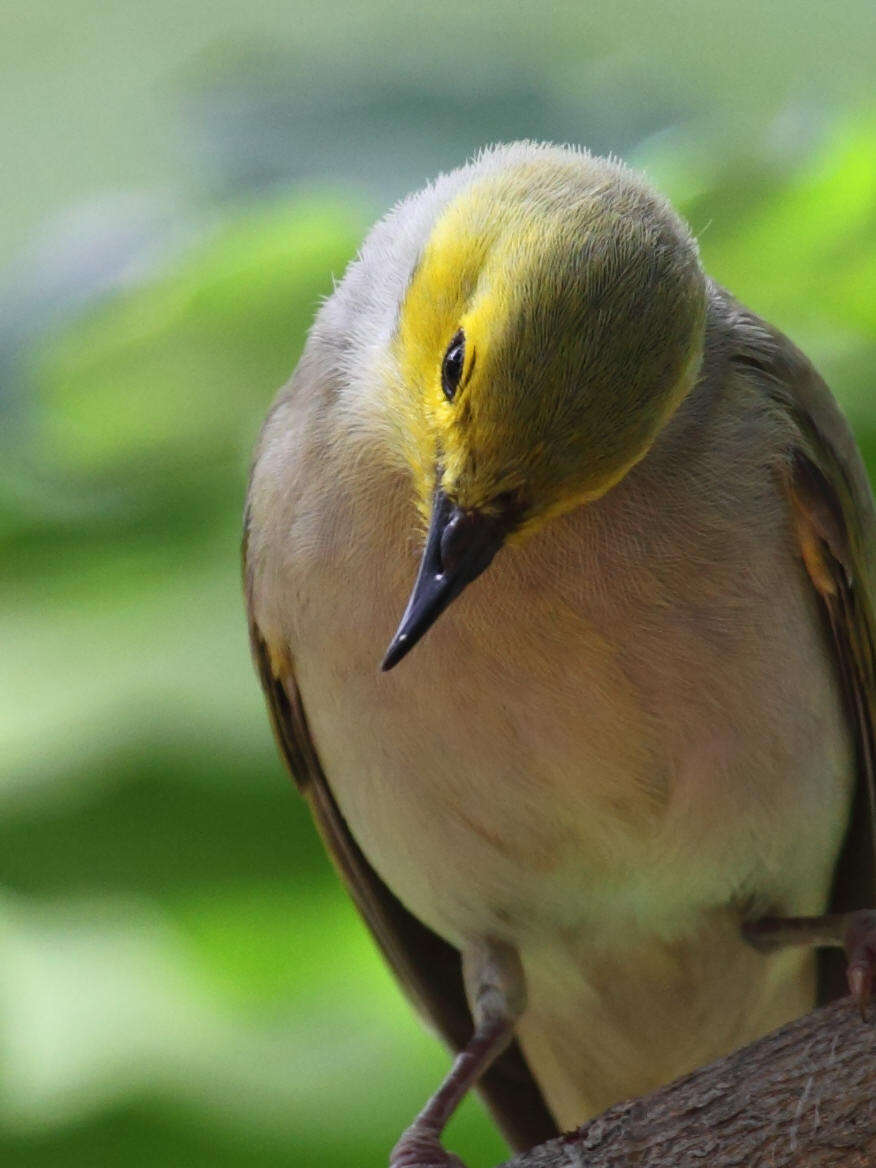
[{"x": 551, "y": 326}]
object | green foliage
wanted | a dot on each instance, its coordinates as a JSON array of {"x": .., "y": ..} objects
[{"x": 183, "y": 981}]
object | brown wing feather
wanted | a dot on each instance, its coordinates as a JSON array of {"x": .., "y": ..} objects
[
  {"x": 833, "y": 511},
  {"x": 428, "y": 968}
]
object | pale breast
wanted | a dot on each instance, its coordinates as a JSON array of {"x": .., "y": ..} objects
[
  {"x": 625, "y": 731},
  {"x": 628, "y": 720}
]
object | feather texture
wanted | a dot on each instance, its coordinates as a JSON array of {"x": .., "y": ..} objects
[{"x": 650, "y": 720}]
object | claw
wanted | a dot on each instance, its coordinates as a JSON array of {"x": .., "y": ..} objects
[
  {"x": 859, "y": 979},
  {"x": 420, "y": 1147},
  {"x": 860, "y": 944}
]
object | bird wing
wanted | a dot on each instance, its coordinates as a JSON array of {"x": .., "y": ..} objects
[
  {"x": 428, "y": 968},
  {"x": 833, "y": 519}
]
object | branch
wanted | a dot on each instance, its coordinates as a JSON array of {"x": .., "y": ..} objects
[{"x": 803, "y": 1097}]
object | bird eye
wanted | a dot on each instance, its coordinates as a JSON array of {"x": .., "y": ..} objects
[{"x": 451, "y": 366}]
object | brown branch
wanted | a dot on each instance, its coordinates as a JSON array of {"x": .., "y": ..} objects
[{"x": 803, "y": 1097}]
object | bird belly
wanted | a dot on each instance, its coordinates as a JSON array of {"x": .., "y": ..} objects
[
  {"x": 608, "y": 1021},
  {"x": 604, "y": 778},
  {"x": 555, "y": 752}
]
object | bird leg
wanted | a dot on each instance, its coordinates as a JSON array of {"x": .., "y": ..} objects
[
  {"x": 496, "y": 993},
  {"x": 855, "y": 932}
]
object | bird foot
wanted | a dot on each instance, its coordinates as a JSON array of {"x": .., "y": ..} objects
[
  {"x": 854, "y": 931},
  {"x": 860, "y": 946},
  {"x": 420, "y": 1147}
]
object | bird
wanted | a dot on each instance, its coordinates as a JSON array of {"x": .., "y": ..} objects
[{"x": 606, "y": 800}]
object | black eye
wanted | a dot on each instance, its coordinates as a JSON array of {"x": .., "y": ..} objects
[{"x": 451, "y": 366}]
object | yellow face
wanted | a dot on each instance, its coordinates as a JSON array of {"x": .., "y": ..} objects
[{"x": 579, "y": 312}]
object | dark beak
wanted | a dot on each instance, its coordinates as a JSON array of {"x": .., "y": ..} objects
[{"x": 459, "y": 546}]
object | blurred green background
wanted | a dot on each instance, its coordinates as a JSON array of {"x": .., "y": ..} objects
[{"x": 181, "y": 979}]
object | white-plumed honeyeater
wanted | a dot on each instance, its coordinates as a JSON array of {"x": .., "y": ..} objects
[{"x": 601, "y": 817}]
